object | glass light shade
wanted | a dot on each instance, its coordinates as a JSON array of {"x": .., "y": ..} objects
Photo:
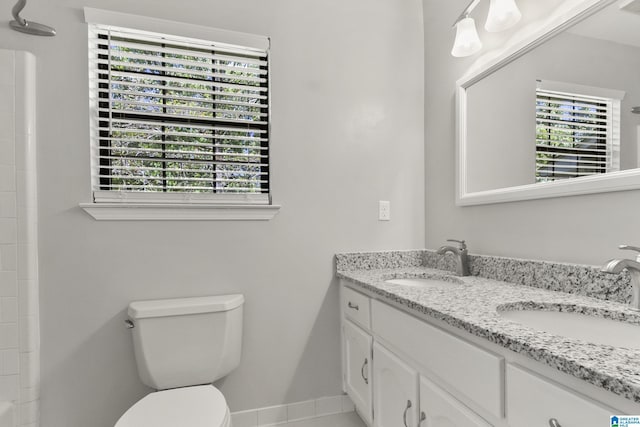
[
  {"x": 467, "y": 41},
  {"x": 503, "y": 14}
]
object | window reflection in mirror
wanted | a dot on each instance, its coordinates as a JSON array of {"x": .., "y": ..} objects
[
  {"x": 577, "y": 131},
  {"x": 562, "y": 111}
]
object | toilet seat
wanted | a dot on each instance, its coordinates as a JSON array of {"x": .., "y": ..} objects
[{"x": 198, "y": 406}]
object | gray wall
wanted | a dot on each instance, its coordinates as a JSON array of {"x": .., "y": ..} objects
[
  {"x": 347, "y": 132},
  {"x": 501, "y": 129},
  {"x": 582, "y": 229}
]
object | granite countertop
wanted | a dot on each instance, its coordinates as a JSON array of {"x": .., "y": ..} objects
[{"x": 472, "y": 304}]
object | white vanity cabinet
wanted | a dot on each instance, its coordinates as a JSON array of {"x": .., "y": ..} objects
[
  {"x": 471, "y": 373},
  {"x": 356, "y": 307},
  {"x": 405, "y": 371},
  {"x": 439, "y": 409},
  {"x": 395, "y": 390},
  {"x": 389, "y": 390},
  {"x": 533, "y": 401},
  {"x": 357, "y": 347}
]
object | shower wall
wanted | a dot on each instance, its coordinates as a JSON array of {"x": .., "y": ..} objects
[{"x": 19, "y": 328}]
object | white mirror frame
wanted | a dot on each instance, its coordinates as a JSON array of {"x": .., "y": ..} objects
[{"x": 612, "y": 181}]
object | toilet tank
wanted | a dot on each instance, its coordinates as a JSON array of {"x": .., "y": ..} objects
[{"x": 186, "y": 341}]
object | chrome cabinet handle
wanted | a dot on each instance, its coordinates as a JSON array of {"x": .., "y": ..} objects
[
  {"x": 423, "y": 417},
  {"x": 554, "y": 423},
  {"x": 364, "y": 365},
  {"x": 354, "y": 306},
  {"x": 404, "y": 416}
]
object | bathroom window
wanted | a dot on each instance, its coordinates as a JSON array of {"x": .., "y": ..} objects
[
  {"x": 177, "y": 120},
  {"x": 577, "y": 133}
]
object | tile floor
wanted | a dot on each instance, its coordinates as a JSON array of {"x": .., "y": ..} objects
[{"x": 349, "y": 419}]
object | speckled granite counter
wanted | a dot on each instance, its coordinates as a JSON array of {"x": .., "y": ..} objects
[{"x": 472, "y": 304}]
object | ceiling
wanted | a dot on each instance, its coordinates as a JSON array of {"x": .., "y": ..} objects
[{"x": 618, "y": 22}]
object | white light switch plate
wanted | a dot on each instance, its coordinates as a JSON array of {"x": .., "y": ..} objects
[{"x": 384, "y": 210}]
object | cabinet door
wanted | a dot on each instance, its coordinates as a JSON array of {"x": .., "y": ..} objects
[
  {"x": 439, "y": 409},
  {"x": 357, "y": 367},
  {"x": 472, "y": 372},
  {"x": 395, "y": 390}
]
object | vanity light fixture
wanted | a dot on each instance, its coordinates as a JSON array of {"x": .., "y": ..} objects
[
  {"x": 467, "y": 40},
  {"x": 503, "y": 14}
]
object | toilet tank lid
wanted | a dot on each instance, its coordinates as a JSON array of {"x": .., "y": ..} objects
[{"x": 183, "y": 306}]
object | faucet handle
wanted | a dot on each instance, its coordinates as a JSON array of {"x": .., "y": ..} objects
[
  {"x": 463, "y": 245},
  {"x": 631, "y": 248}
]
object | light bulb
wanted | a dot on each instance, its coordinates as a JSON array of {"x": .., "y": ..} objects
[
  {"x": 467, "y": 41},
  {"x": 503, "y": 14}
]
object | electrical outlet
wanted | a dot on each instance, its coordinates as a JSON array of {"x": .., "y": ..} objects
[{"x": 384, "y": 210}]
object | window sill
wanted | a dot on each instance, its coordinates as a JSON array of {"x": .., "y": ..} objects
[{"x": 179, "y": 212}]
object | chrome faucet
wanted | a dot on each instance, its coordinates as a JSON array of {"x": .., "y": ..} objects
[
  {"x": 615, "y": 266},
  {"x": 462, "y": 267}
]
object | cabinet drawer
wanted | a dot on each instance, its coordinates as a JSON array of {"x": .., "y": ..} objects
[
  {"x": 532, "y": 401},
  {"x": 469, "y": 370},
  {"x": 356, "y": 307}
]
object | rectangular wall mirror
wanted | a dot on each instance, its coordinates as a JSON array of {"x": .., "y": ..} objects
[{"x": 558, "y": 113}]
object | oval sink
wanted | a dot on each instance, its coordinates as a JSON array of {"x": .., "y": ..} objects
[
  {"x": 593, "y": 329},
  {"x": 425, "y": 282}
]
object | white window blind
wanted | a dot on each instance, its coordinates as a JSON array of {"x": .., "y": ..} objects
[
  {"x": 177, "y": 119},
  {"x": 576, "y": 135}
]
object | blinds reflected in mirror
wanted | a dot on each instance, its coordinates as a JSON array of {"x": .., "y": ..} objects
[{"x": 575, "y": 135}]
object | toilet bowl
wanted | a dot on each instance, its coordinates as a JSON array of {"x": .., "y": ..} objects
[
  {"x": 180, "y": 344},
  {"x": 199, "y": 406}
]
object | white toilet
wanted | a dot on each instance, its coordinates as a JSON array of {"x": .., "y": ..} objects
[{"x": 181, "y": 347}]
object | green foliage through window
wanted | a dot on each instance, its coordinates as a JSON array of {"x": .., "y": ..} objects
[{"x": 180, "y": 117}]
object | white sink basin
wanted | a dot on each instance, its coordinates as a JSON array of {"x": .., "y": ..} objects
[
  {"x": 593, "y": 329},
  {"x": 423, "y": 282}
]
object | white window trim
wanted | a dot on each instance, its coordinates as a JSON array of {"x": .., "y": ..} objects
[
  {"x": 180, "y": 29},
  {"x": 573, "y": 88},
  {"x": 182, "y": 212},
  {"x": 120, "y": 210}
]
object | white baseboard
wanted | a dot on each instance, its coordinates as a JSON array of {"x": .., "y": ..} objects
[{"x": 279, "y": 414}]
